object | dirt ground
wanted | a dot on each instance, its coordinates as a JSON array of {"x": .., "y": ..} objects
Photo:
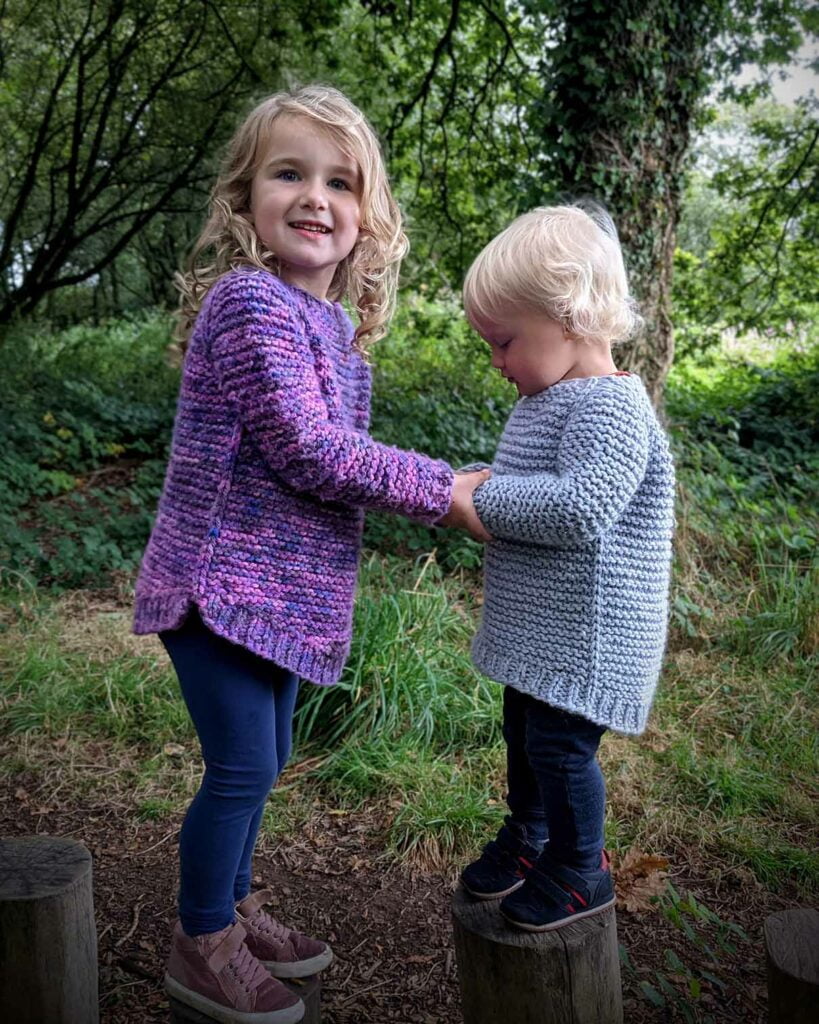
[{"x": 389, "y": 927}]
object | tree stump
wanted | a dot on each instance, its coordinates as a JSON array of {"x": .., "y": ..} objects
[
  {"x": 48, "y": 941},
  {"x": 308, "y": 990},
  {"x": 567, "y": 976},
  {"x": 792, "y": 954}
]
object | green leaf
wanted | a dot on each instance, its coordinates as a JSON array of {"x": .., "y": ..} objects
[{"x": 651, "y": 994}]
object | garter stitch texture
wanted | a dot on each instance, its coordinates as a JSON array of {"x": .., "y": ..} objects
[
  {"x": 271, "y": 468},
  {"x": 581, "y": 506}
]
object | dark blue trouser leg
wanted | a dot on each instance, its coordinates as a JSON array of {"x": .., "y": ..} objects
[
  {"x": 285, "y": 703},
  {"x": 242, "y": 707},
  {"x": 556, "y": 787},
  {"x": 523, "y": 792}
]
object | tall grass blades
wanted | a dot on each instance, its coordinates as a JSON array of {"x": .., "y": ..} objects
[{"x": 409, "y": 670}]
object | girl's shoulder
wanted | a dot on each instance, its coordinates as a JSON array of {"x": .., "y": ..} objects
[
  {"x": 251, "y": 294},
  {"x": 247, "y": 294},
  {"x": 251, "y": 284},
  {"x": 619, "y": 390}
]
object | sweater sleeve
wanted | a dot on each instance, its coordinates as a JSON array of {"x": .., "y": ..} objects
[
  {"x": 601, "y": 459},
  {"x": 266, "y": 369}
]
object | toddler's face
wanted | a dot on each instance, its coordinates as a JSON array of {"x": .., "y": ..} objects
[
  {"x": 305, "y": 203},
  {"x": 530, "y": 349}
]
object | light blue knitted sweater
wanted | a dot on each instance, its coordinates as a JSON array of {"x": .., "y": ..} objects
[{"x": 581, "y": 509}]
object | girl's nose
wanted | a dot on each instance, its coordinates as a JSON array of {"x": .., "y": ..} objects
[
  {"x": 497, "y": 359},
  {"x": 313, "y": 196}
]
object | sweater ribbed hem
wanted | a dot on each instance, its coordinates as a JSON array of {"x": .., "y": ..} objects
[
  {"x": 602, "y": 708},
  {"x": 245, "y": 627},
  {"x": 156, "y": 614}
]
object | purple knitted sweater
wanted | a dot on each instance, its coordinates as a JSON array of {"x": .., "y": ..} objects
[{"x": 260, "y": 519}]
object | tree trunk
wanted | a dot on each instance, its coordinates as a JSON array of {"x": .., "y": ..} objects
[
  {"x": 567, "y": 976},
  {"x": 48, "y": 941},
  {"x": 792, "y": 953},
  {"x": 615, "y": 120}
]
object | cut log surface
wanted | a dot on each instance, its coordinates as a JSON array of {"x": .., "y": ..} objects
[
  {"x": 567, "y": 976},
  {"x": 307, "y": 989},
  {"x": 48, "y": 941},
  {"x": 792, "y": 951}
]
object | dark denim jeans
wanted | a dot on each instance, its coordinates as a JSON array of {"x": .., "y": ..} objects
[
  {"x": 242, "y": 709},
  {"x": 556, "y": 787}
]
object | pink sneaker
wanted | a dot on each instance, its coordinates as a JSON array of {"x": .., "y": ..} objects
[
  {"x": 219, "y": 976},
  {"x": 284, "y": 952}
]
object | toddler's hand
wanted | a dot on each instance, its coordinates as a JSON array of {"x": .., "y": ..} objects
[{"x": 462, "y": 514}]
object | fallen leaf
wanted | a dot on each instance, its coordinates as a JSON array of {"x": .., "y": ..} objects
[{"x": 640, "y": 878}]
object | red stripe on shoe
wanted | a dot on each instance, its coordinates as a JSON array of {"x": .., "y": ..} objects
[{"x": 578, "y": 897}]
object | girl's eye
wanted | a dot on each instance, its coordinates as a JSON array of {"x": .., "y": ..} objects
[
  {"x": 339, "y": 184},
  {"x": 287, "y": 175}
]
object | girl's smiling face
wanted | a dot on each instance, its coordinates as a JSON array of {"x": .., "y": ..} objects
[{"x": 305, "y": 203}]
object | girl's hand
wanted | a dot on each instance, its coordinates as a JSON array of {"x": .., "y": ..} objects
[{"x": 462, "y": 514}]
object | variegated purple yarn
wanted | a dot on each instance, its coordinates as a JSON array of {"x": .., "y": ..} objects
[{"x": 271, "y": 469}]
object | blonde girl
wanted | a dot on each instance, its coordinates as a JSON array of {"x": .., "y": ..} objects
[{"x": 250, "y": 572}]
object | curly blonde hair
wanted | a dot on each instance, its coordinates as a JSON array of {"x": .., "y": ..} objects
[
  {"x": 564, "y": 261},
  {"x": 368, "y": 276}
]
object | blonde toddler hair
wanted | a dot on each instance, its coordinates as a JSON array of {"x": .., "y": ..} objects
[
  {"x": 368, "y": 276},
  {"x": 559, "y": 260}
]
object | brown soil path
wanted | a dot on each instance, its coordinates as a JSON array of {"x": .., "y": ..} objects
[{"x": 389, "y": 927}]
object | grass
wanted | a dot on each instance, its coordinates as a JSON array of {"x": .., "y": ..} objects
[{"x": 727, "y": 766}]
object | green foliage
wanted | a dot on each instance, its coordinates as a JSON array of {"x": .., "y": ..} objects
[
  {"x": 112, "y": 115},
  {"x": 680, "y": 985},
  {"x": 408, "y": 670},
  {"x": 85, "y": 419},
  {"x": 751, "y": 436},
  {"x": 434, "y": 391},
  {"x": 750, "y": 225}
]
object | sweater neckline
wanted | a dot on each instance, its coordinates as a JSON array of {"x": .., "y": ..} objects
[{"x": 567, "y": 384}]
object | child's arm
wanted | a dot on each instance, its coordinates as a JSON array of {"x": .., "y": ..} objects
[
  {"x": 601, "y": 460},
  {"x": 267, "y": 369}
]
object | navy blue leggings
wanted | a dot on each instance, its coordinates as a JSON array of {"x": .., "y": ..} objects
[{"x": 242, "y": 709}]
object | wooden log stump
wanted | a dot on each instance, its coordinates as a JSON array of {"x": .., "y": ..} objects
[
  {"x": 792, "y": 954},
  {"x": 307, "y": 989},
  {"x": 567, "y": 976},
  {"x": 48, "y": 941}
]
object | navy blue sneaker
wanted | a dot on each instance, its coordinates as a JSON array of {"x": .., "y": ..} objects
[
  {"x": 553, "y": 895},
  {"x": 502, "y": 866}
]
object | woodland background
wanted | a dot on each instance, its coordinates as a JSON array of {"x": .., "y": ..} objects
[{"x": 112, "y": 119}]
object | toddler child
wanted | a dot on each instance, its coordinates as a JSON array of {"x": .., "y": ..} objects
[
  {"x": 580, "y": 506},
  {"x": 250, "y": 570}
]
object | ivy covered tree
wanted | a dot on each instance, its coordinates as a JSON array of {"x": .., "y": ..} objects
[{"x": 624, "y": 87}]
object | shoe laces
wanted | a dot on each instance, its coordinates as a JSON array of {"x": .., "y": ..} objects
[
  {"x": 246, "y": 969},
  {"x": 269, "y": 926}
]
